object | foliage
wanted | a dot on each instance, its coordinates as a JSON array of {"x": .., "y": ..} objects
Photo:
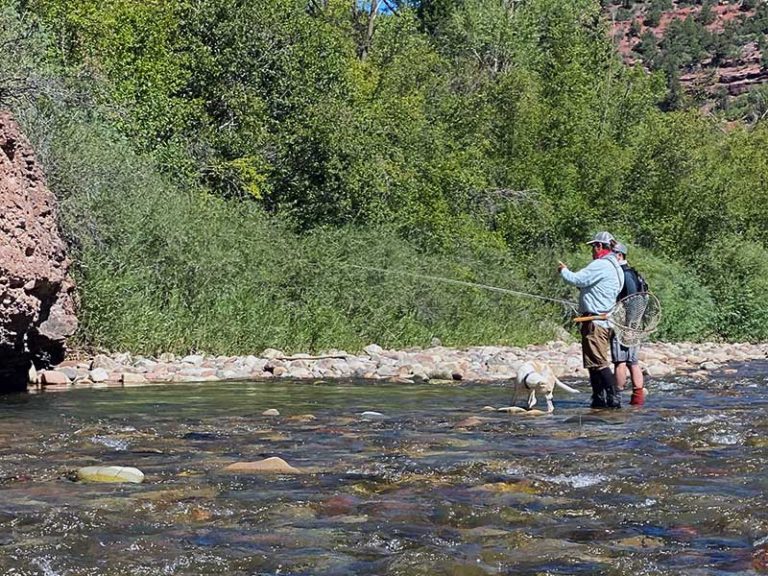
[
  {"x": 737, "y": 271},
  {"x": 219, "y": 168},
  {"x": 688, "y": 308},
  {"x": 22, "y": 62},
  {"x": 160, "y": 269}
]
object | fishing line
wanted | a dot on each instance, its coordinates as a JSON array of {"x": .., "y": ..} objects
[{"x": 464, "y": 283}]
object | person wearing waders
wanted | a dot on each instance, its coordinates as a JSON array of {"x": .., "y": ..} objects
[
  {"x": 599, "y": 284},
  {"x": 625, "y": 358}
]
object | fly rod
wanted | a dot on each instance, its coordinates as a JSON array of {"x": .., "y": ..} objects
[{"x": 464, "y": 283}]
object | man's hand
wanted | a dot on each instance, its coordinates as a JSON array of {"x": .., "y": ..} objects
[{"x": 561, "y": 266}]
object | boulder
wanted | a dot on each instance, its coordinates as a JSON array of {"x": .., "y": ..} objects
[
  {"x": 273, "y": 465},
  {"x": 37, "y": 294},
  {"x": 110, "y": 474},
  {"x": 132, "y": 379},
  {"x": 53, "y": 378}
]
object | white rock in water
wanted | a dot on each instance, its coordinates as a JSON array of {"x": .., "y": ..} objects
[
  {"x": 511, "y": 409},
  {"x": 371, "y": 415},
  {"x": 271, "y": 412},
  {"x": 110, "y": 474}
]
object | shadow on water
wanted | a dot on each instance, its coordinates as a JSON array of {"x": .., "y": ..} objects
[{"x": 432, "y": 486}]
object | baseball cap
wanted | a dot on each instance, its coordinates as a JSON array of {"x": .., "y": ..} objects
[
  {"x": 603, "y": 238},
  {"x": 620, "y": 248}
]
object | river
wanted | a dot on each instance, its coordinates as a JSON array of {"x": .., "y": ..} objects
[{"x": 433, "y": 486}]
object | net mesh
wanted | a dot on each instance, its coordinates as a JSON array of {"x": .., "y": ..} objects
[{"x": 635, "y": 318}]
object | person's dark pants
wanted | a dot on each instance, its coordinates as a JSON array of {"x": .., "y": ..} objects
[{"x": 596, "y": 348}]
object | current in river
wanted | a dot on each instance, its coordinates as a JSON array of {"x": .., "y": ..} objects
[{"x": 433, "y": 485}]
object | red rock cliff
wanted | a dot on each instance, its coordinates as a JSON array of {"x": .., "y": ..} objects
[{"x": 37, "y": 307}]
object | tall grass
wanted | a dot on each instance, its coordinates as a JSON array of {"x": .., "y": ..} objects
[
  {"x": 165, "y": 268},
  {"x": 160, "y": 268}
]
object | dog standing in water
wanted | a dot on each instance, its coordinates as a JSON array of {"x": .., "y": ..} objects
[{"x": 533, "y": 377}]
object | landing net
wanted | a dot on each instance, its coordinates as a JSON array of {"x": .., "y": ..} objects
[{"x": 635, "y": 318}]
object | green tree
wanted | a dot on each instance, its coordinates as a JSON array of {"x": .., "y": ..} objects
[
  {"x": 706, "y": 15},
  {"x": 648, "y": 48},
  {"x": 763, "y": 46},
  {"x": 676, "y": 182},
  {"x": 435, "y": 15},
  {"x": 136, "y": 46},
  {"x": 653, "y": 17}
]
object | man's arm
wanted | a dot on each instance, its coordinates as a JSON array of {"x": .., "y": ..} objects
[{"x": 587, "y": 276}]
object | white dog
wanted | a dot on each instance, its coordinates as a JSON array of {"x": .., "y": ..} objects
[{"x": 535, "y": 377}]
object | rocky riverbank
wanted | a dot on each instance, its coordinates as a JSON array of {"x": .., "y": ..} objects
[{"x": 438, "y": 363}]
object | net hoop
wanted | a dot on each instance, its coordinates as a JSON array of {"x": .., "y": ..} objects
[{"x": 635, "y": 318}]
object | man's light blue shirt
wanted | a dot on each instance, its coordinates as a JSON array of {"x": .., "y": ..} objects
[{"x": 600, "y": 282}]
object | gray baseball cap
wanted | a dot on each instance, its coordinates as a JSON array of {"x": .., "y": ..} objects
[
  {"x": 620, "y": 248},
  {"x": 602, "y": 238}
]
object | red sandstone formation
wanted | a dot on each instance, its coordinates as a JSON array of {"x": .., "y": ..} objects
[
  {"x": 735, "y": 76},
  {"x": 37, "y": 309}
]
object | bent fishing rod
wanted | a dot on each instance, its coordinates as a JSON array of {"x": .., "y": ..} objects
[{"x": 568, "y": 303}]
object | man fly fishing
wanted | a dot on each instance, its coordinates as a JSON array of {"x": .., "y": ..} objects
[{"x": 599, "y": 284}]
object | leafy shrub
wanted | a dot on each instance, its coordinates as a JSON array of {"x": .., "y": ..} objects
[
  {"x": 688, "y": 310},
  {"x": 653, "y": 17},
  {"x": 737, "y": 273},
  {"x": 163, "y": 269}
]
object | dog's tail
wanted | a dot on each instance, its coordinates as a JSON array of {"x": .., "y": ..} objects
[{"x": 565, "y": 387}]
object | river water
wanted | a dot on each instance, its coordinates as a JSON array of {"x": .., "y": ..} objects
[{"x": 676, "y": 487}]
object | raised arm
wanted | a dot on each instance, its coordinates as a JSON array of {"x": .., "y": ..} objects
[{"x": 584, "y": 277}]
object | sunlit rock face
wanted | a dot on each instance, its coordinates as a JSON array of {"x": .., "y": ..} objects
[{"x": 37, "y": 307}]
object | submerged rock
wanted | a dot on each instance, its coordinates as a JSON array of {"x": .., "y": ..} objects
[
  {"x": 110, "y": 474},
  {"x": 469, "y": 422},
  {"x": 511, "y": 409},
  {"x": 641, "y": 541},
  {"x": 273, "y": 465},
  {"x": 302, "y": 418},
  {"x": 590, "y": 419}
]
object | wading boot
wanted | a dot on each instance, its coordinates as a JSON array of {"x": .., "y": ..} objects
[
  {"x": 612, "y": 393},
  {"x": 598, "y": 393},
  {"x": 638, "y": 397}
]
